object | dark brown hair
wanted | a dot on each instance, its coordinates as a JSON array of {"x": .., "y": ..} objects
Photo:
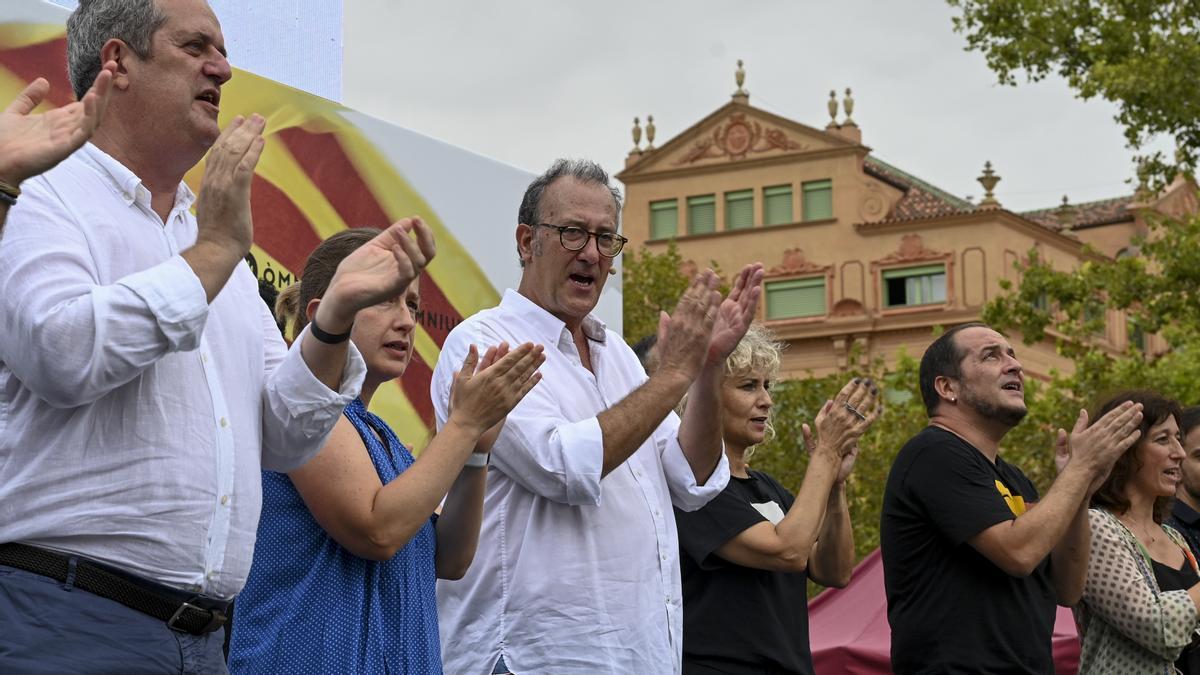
[
  {"x": 943, "y": 358},
  {"x": 1155, "y": 409},
  {"x": 318, "y": 272}
]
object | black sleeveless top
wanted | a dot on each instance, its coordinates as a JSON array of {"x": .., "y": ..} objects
[{"x": 1180, "y": 579}]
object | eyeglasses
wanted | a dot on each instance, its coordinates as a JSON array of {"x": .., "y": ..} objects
[{"x": 576, "y": 238}]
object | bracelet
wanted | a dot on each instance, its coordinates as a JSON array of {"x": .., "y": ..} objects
[
  {"x": 327, "y": 338},
  {"x": 478, "y": 460},
  {"x": 9, "y": 193}
]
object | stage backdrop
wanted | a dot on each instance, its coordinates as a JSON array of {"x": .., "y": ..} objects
[
  {"x": 326, "y": 168},
  {"x": 297, "y": 42}
]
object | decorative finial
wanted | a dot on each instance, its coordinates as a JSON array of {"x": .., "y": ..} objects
[
  {"x": 740, "y": 77},
  {"x": 833, "y": 108},
  {"x": 1066, "y": 214},
  {"x": 848, "y": 106},
  {"x": 988, "y": 180},
  {"x": 649, "y": 132},
  {"x": 637, "y": 137}
]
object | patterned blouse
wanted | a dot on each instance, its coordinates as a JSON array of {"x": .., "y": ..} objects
[
  {"x": 1127, "y": 624},
  {"x": 311, "y": 606}
]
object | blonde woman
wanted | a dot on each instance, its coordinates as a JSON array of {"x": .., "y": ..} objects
[{"x": 750, "y": 551}]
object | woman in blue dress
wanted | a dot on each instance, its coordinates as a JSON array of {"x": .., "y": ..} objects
[{"x": 349, "y": 545}]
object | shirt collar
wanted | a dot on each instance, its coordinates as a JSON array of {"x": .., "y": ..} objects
[
  {"x": 126, "y": 183},
  {"x": 545, "y": 324},
  {"x": 1184, "y": 513}
]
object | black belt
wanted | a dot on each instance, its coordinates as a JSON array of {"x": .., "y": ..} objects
[{"x": 187, "y": 614}]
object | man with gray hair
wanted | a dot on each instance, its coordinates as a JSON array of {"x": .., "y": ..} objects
[
  {"x": 578, "y": 562},
  {"x": 143, "y": 383}
]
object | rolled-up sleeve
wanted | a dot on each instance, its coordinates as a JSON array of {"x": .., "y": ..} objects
[
  {"x": 686, "y": 493},
  {"x": 299, "y": 411},
  {"x": 71, "y": 338},
  {"x": 550, "y": 456},
  {"x": 540, "y": 449}
]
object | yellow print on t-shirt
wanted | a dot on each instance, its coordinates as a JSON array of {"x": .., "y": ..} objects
[{"x": 1016, "y": 503}]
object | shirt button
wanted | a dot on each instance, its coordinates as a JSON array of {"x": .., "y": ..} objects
[
  {"x": 224, "y": 422},
  {"x": 204, "y": 358},
  {"x": 212, "y": 575},
  {"x": 224, "y": 499}
]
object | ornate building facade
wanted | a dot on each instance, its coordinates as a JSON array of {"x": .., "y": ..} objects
[{"x": 863, "y": 259}]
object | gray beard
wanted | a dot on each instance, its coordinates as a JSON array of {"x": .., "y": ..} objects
[{"x": 1010, "y": 417}]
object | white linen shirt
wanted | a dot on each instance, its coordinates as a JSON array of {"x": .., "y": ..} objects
[
  {"x": 573, "y": 574},
  {"x": 134, "y": 416}
]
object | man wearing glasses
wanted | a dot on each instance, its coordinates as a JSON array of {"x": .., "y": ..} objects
[{"x": 578, "y": 567}]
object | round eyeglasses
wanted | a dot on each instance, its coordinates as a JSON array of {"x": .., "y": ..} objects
[{"x": 576, "y": 238}]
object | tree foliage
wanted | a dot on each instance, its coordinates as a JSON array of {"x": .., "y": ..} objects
[
  {"x": 651, "y": 282},
  {"x": 1143, "y": 55},
  {"x": 1157, "y": 292}
]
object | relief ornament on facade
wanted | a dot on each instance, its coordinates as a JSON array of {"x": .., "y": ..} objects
[{"x": 737, "y": 138}]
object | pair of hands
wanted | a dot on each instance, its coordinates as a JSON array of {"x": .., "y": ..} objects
[
  {"x": 32, "y": 144},
  {"x": 485, "y": 390},
  {"x": 1097, "y": 447},
  {"x": 704, "y": 329},
  {"x": 378, "y": 271},
  {"x": 838, "y": 428}
]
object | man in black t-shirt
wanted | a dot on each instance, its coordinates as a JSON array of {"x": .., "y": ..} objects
[{"x": 972, "y": 569}]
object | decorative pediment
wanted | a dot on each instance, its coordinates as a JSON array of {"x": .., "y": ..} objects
[
  {"x": 733, "y": 133},
  {"x": 737, "y": 137},
  {"x": 912, "y": 249},
  {"x": 794, "y": 263}
]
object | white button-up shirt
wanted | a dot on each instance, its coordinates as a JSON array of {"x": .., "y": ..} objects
[
  {"x": 134, "y": 416},
  {"x": 574, "y": 574}
]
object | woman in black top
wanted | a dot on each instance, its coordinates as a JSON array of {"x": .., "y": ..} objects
[
  {"x": 1142, "y": 596},
  {"x": 749, "y": 552}
]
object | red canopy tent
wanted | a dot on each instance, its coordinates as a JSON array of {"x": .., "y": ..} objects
[{"x": 849, "y": 631}]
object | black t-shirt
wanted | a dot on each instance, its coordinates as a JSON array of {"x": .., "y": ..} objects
[
  {"x": 951, "y": 609},
  {"x": 738, "y": 619}
]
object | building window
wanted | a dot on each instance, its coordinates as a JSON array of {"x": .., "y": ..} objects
[
  {"x": 1137, "y": 336},
  {"x": 777, "y": 205},
  {"x": 818, "y": 199},
  {"x": 664, "y": 218},
  {"x": 739, "y": 210},
  {"x": 702, "y": 214},
  {"x": 795, "y": 298},
  {"x": 924, "y": 285}
]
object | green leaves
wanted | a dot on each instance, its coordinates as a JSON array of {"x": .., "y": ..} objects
[
  {"x": 652, "y": 282},
  {"x": 1142, "y": 55}
]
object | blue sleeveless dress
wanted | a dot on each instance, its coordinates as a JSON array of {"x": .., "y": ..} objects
[{"x": 311, "y": 606}]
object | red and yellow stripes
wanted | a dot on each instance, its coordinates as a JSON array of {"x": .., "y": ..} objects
[{"x": 319, "y": 174}]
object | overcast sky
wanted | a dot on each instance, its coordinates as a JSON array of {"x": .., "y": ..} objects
[{"x": 525, "y": 81}]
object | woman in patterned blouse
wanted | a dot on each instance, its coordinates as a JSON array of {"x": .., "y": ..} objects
[
  {"x": 1141, "y": 602},
  {"x": 349, "y": 546}
]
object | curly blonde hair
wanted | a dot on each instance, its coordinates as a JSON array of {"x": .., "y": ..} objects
[{"x": 758, "y": 352}]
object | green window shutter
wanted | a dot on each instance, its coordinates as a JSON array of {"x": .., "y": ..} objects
[
  {"x": 739, "y": 210},
  {"x": 924, "y": 285},
  {"x": 796, "y": 298},
  {"x": 664, "y": 219},
  {"x": 777, "y": 205},
  {"x": 818, "y": 199},
  {"x": 702, "y": 214}
]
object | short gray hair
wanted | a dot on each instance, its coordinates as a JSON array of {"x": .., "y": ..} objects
[
  {"x": 582, "y": 170},
  {"x": 95, "y": 22}
]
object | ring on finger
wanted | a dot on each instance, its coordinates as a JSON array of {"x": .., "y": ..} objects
[{"x": 854, "y": 410}]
